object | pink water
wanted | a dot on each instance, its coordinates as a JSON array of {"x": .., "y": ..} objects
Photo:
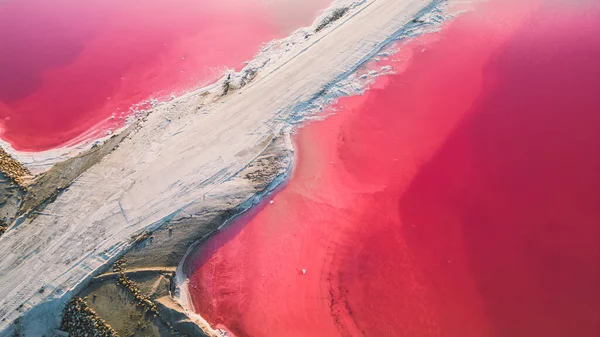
[
  {"x": 66, "y": 65},
  {"x": 457, "y": 198}
]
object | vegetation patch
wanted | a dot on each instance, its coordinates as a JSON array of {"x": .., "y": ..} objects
[
  {"x": 12, "y": 168},
  {"x": 142, "y": 301},
  {"x": 79, "y": 320},
  {"x": 334, "y": 16}
]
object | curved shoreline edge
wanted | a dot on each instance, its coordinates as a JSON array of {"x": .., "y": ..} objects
[
  {"x": 181, "y": 294},
  {"x": 430, "y": 20}
]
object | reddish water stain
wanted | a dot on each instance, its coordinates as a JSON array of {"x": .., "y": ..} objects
[
  {"x": 457, "y": 198},
  {"x": 66, "y": 66}
]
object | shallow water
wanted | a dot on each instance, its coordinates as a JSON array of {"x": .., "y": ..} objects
[
  {"x": 456, "y": 198},
  {"x": 66, "y": 65}
]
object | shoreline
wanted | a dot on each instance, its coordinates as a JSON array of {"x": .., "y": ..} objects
[
  {"x": 271, "y": 53},
  {"x": 434, "y": 16},
  {"x": 182, "y": 295},
  {"x": 369, "y": 72}
]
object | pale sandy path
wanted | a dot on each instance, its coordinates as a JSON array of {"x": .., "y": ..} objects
[
  {"x": 135, "y": 272},
  {"x": 169, "y": 164}
]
